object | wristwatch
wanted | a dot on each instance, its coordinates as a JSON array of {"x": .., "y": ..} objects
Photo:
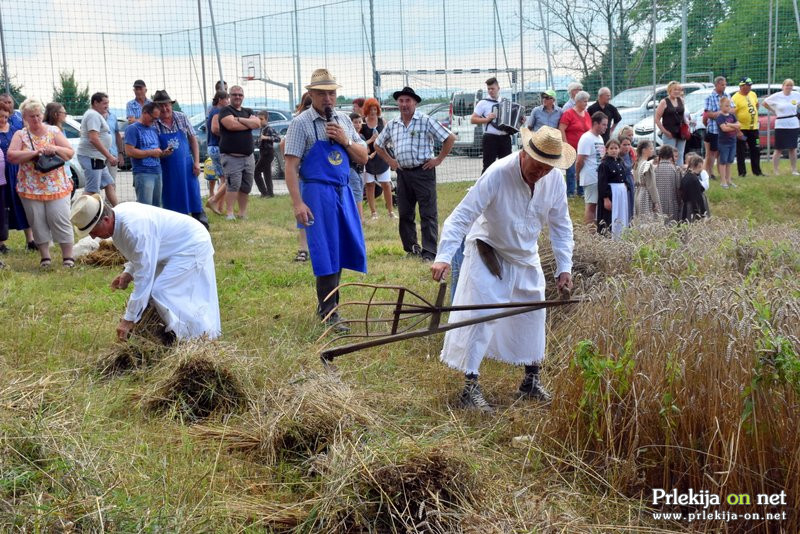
[{"x": 349, "y": 142}]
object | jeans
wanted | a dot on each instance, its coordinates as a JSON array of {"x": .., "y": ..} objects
[
  {"x": 455, "y": 269},
  {"x": 571, "y": 182},
  {"x": 148, "y": 187},
  {"x": 680, "y": 144}
]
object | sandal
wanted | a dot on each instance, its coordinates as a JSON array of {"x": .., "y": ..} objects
[
  {"x": 69, "y": 263},
  {"x": 45, "y": 263},
  {"x": 302, "y": 255}
]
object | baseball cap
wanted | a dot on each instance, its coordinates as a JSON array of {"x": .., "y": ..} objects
[
  {"x": 745, "y": 81},
  {"x": 550, "y": 93},
  {"x": 139, "y": 83}
]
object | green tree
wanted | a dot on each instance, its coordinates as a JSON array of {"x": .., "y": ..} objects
[
  {"x": 74, "y": 100},
  {"x": 16, "y": 90}
]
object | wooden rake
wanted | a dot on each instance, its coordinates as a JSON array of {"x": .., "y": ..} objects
[{"x": 406, "y": 315}]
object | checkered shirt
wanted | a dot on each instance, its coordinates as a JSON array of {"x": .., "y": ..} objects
[
  {"x": 412, "y": 145},
  {"x": 300, "y": 135}
]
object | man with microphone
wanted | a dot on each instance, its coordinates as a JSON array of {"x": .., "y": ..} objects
[{"x": 320, "y": 143}]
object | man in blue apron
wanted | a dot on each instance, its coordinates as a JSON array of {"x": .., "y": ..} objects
[
  {"x": 320, "y": 143},
  {"x": 180, "y": 161}
]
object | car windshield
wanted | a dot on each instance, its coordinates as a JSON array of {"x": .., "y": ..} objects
[
  {"x": 694, "y": 102},
  {"x": 631, "y": 98}
]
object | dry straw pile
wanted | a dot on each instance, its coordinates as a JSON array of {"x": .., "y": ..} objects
[
  {"x": 681, "y": 370},
  {"x": 106, "y": 255},
  {"x": 199, "y": 379}
]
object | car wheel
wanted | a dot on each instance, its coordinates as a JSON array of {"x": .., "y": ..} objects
[{"x": 277, "y": 171}]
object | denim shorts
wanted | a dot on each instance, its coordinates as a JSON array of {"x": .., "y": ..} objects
[{"x": 727, "y": 153}]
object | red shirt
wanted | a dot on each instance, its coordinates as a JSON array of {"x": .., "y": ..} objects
[{"x": 576, "y": 125}]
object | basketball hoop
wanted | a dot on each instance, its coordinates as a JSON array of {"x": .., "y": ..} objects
[{"x": 251, "y": 67}]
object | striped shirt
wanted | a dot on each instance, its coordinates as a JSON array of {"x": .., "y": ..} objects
[
  {"x": 712, "y": 104},
  {"x": 300, "y": 136},
  {"x": 412, "y": 145},
  {"x": 179, "y": 122},
  {"x": 134, "y": 109}
]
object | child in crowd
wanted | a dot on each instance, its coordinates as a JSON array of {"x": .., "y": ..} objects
[
  {"x": 728, "y": 131},
  {"x": 266, "y": 153},
  {"x": 647, "y": 200},
  {"x": 357, "y": 171},
  {"x": 628, "y": 156},
  {"x": 692, "y": 192},
  {"x": 612, "y": 193}
]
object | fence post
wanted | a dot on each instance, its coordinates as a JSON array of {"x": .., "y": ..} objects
[
  {"x": 372, "y": 52},
  {"x": 214, "y": 36},
  {"x": 5, "y": 61},
  {"x": 653, "y": 28},
  {"x": 105, "y": 61},
  {"x": 163, "y": 68},
  {"x": 684, "y": 36},
  {"x": 521, "y": 60},
  {"x": 297, "y": 47},
  {"x": 202, "y": 55}
]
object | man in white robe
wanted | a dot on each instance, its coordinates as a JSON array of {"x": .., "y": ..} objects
[
  {"x": 170, "y": 262},
  {"x": 503, "y": 214}
]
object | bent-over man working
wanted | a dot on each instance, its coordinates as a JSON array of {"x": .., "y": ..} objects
[
  {"x": 170, "y": 262},
  {"x": 501, "y": 217}
]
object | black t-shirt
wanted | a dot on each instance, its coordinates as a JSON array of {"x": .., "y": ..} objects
[
  {"x": 240, "y": 142},
  {"x": 609, "y": 111}
]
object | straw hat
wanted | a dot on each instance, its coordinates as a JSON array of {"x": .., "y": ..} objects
[
  {"x": 323, "y": 80},
  {"x": 85, "y": 213},
  {"x": 545, "y": 145}
]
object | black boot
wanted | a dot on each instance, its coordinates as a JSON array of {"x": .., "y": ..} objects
[
  {"x": 531, "y": 387},
  {"x": 472, "y": 397}
]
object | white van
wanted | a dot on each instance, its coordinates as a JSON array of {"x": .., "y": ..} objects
[{"x": 468, "y": 135}]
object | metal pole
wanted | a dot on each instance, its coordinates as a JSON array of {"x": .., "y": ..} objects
[
  {"x": 547, "y": 46},
  {"x": 236, "y": 48},
  {"x": 402, "y": 46},
  {"x": 372, "y": 40},
  {"x": 769, "y": 72},
  {"x": 363, "y": 50},
  {"x": 105, "y": 62},
  {"x": 325, "y": 37},
  {"x": 611, "y": 49},
  {"x": 163, "y": 68},
  {"x": 5, "y": 61},
  {"x": 52, "y": 63},
  {"x": 775, "y": 43},
  {"x": 796, "y": 16},
  {"x": 444, "y": 32},
  {"x": 684, "y": 37},
  {"x": 494, "y": 31},
  {"x": 262, "y": 59},
  {"x": 653, "y": 29},
  {"x": 202, "y": 55},
  {"x": 521, "y": 59},
  {"x": 216, "y": 43},
  {"x": 297, "y": 46}
]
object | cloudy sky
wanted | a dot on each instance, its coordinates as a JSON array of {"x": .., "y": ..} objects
[{"x": 110, "y": 44}]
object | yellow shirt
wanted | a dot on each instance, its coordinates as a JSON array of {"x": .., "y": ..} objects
[{"x": 746, "y": 110}]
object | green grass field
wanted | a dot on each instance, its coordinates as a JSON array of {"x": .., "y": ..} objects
[{"x": 81, "y": 453}]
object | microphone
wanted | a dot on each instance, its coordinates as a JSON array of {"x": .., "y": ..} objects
[{"x": 329, "y": 117}]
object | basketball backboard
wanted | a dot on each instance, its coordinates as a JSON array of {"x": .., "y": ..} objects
[{"x": 251, "y": 67}]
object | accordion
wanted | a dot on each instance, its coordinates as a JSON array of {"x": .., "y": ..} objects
[{"x": 508, "y": 116}]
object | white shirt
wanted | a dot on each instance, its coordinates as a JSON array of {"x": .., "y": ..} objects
[
  {"x": 149, "y": 237},
  {"x": 94, "y": 122},
  {"x": 483, "y": 108},
  {"x": 500, "y": 210},
  {"x": 593, "y": 147},
  {"x": 785, "y": 106},
  {"x": 704, "y": 179}
]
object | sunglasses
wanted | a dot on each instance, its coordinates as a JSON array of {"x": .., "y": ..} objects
[{"x": 237, "y": 94}]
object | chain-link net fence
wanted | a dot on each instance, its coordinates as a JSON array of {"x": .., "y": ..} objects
[{"x": 58, "y": 50}]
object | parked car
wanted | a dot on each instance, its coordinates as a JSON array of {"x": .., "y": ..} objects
[
  {"x": 639, "y": 102},
  {"x": 72, "y": 131}
]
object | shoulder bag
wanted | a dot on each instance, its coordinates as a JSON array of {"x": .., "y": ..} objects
[{"x": 45, "y": 163}]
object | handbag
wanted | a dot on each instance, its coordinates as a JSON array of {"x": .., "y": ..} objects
[
  {"x": 685, "y": 132},
  {"x": 45, "y": 163}
]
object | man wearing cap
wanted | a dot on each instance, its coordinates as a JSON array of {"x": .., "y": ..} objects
[
  {"x": 180, "y": 160},
  {"x": 141, "y": 145},
  {"x": 573, "y": 88},
  {"x": 548, "y": 114},
  {"x": 501, "y": 217},
  {"x": 604, "y": 106},
  {"x": 412, "y": 135},
  {"x": 134, "y": 108},
  {"x": 745, "y": 103},
  {"x": 170, "y": 262},
  {"x": 495, "y": 144},
  {"x": 319, "y": 145}
]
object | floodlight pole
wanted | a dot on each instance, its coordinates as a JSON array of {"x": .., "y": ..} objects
[
  {"x": 216, "y": 43},
  {"x": 5, "y": 61},
  {"x": 202, "y": 55}
]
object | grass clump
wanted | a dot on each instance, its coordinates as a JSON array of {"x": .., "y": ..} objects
[
  {"x": 196, "y": 383},
  {"x": 298, "y": 421}
]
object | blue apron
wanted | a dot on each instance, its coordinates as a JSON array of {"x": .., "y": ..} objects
[
  {"x": 180, "y": 189},
  {"x": 335, "y": 240}
]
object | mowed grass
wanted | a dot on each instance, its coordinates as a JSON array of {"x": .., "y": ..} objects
[{"x": 78, "y": 451}]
